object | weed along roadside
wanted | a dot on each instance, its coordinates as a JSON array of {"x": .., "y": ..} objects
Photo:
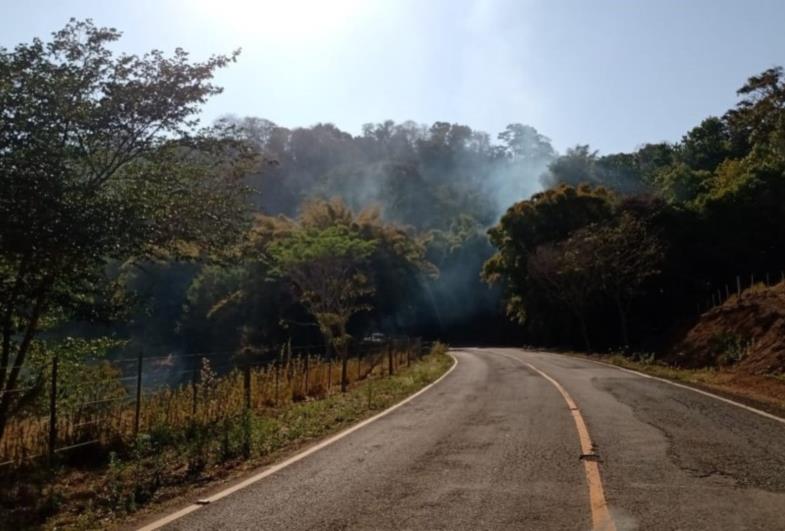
[{"x": 273, "y": 417}]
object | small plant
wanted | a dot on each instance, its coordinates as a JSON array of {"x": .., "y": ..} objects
[
  {"x": 439, "y": 349},
  {"x": 150, "y": 467},
  {"x": 199, "y": 438},
  {"x": 644, "y": 357},
  {"x": 730, "y": 348},
  {"x": 116, "y": 495}
]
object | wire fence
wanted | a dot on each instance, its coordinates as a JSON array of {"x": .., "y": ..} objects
[
  {"x": 108, "y": 404},
  {"x": 718, "y": 294}
]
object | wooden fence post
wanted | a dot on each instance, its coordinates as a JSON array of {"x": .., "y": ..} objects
[
  {"x": 138, "y": 404},
  {"x": 738, "y": 285},
  {"x": 247, "y": 385},
  {"x": 329, "y": 374},
  {"x": 307, "y": 359},
  {"x": 53, "y": 413},
  {"x": 389, "y": 360},
  {"x": 193, "y": 393},
  {"x": 277, "y": 376}
]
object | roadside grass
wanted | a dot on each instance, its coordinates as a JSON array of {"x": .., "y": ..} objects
[
  {"x": 166, "y": 463},
  {"x": 766, "y": 391}
]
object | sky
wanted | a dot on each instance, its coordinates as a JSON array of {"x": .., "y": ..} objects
[{"x": 610, "y": 73}]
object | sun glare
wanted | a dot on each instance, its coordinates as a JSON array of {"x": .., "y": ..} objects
[{"x": 275, "y": 20}]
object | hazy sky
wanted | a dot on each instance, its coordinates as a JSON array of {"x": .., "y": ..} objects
[{"x": 613, "y": 74}]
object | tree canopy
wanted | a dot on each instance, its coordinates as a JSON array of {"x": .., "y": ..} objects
[{"x": 100, "y": 161}]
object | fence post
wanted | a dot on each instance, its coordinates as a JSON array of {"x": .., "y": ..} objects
[
  {"x": 307, "y": 359},
  {"x": 329, "y": 370},
  {"x": 277, "y": 376},
  {"x": 193, "y": 393},
  {"x": 53, "y": 413},
  {"x": 247, "y": 385},
  {"x": 390, "y": 359},
  {"x": 727, "y": 292},
  {"x": 138, "y": 404},
  {"x": 738, "y": 285}
]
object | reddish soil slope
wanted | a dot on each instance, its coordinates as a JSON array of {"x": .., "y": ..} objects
[{"x": 746, "y": 331}]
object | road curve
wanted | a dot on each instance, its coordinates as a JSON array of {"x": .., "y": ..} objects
[{"x": 494, "y": 445}]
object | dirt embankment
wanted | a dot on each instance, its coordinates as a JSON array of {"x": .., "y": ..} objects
[{"x": 747, "y": 332}]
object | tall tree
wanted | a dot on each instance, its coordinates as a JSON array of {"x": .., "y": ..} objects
[
  {"x": 325, "y": 267},
  {"x": 99, "y": 161},
  {"x": 567, "y": 274},
  {"x": 619, "y": 256}
]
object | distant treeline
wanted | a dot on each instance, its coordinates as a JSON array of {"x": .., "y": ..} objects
[
  {"x": 427, "y": 193},
  {"x": 615, "y": 252}
]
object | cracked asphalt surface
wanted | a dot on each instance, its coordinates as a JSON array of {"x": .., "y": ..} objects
[{"x": 494, "y": 446}]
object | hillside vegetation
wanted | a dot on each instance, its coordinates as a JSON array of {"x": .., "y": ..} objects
[{"x": 746, "y": 331}]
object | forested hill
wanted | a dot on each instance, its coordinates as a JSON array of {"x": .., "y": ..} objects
[
  {"x": 421, "y": 176},
  {"x": 122, "y": 219},
  {"x": 438, "y": 188},
  {"x": 601, "y": 252}
]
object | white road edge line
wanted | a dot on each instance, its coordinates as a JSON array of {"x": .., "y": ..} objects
[
  {"x": 676, "y": 384},
  {"x": 297, "y": 457}
]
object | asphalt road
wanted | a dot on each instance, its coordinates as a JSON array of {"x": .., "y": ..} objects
[{"x": 495, "y": 446}]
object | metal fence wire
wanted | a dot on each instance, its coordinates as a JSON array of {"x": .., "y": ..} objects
[
  {"x": 719, "y": 294},
  {"x": 127, "y": 396}
]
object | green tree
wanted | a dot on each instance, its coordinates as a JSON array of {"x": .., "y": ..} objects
[
  {"x": 100, "y": 161},
  {"x": 621, "y": 255},
  {"x": 547, "y": 217},
  {"x": 325, "y": 266},
  {"x": 566, "y": 273}
]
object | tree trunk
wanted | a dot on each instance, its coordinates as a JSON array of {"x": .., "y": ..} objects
[
  {"x": 623, "y": 331},
  {"x": 10, "y": 304},
  {"x": 21, "y": 354},
  {"x": 344, "y": 369},
  {"x": 344, "y": 356}
]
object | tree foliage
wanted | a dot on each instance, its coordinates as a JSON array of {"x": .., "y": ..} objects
[
  {"x": 99, "y": 161},
  {"x": 682, "y": 217}
]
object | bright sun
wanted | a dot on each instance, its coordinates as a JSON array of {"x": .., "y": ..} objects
[{"x": 275, "y": 20}]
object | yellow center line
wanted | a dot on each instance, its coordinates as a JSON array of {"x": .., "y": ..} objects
[{"x": 600, "y": 515}]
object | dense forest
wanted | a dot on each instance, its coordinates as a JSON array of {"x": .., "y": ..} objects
[
  {"x": 612, "y": 251},
  {"x": 124, "y": 224}
]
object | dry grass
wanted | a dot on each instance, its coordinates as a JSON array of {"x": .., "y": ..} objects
[
  {"x": 104, "y": 415},
  {"x": 177, "y": 450}
]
